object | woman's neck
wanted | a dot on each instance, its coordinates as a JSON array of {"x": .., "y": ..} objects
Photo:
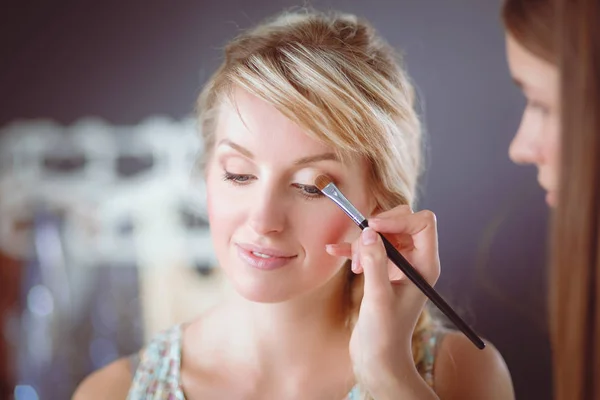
[
  {"x": 289, "y": 338},
  {"x": 292, "y": 330}
]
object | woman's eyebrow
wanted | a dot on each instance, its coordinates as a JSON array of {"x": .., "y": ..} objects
[
  {"x": 237, "y": 147},
  {"x": 301, "y": 161},
  {"x": 316, "y": 158}
]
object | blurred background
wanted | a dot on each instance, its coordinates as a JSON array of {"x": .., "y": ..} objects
[{"x": 103, "y": 236}]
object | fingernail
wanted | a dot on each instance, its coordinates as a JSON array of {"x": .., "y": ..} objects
[
  {"x": 353, "y": 265},
  {"x": 369, "y": 236}
]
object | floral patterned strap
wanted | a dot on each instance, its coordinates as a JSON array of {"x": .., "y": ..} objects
[{"x": 157, "y": 373}]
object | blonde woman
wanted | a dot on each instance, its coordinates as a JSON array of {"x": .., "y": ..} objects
[{"x": 301, "y": 95}]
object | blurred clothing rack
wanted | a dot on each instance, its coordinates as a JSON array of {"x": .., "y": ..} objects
[{"x": 95, "y": 220}]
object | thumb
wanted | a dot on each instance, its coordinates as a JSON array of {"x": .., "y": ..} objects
[{"x": 373, "y": 260}]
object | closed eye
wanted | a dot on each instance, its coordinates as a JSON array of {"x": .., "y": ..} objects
[
  {"x": 309, "y": 191},
  {"x": 538, "y": 106},
  {"x": 237, "y": 179}
]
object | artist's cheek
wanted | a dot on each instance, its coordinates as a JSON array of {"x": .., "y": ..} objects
[{"x": 551, "y": 149}]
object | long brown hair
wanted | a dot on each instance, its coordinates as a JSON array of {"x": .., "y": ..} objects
[
  {"x": 569, "y": 37},
  {"x": 531, "y": 23},
  {"x": 575, "y": 250}
]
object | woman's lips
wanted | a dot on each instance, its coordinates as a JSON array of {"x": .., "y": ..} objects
[{"x": 262, "y": 257}]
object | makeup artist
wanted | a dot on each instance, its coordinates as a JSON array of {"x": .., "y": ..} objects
[
  {"x": 304, "y": 95},
  {"x": 553, "y": 50}
]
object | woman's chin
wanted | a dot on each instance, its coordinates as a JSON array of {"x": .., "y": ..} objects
[
  {"x": 262, "y": 292},
  {"x": 551, "y": 198}
]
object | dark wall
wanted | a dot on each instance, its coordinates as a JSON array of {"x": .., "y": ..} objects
[{"x": 124, "y": 61}]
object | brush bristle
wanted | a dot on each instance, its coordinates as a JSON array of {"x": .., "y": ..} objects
[{"x": 321, "y": 181}]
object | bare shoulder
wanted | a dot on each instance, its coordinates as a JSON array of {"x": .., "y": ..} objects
[
  {"x": 110, "y": 382},
  {"x": 462, "y": 371}
]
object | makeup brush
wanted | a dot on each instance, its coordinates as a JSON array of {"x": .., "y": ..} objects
[{"x": 328, "y": 188}]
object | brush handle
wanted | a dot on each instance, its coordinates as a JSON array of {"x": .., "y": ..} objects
[{"x": 412, "y": 274}]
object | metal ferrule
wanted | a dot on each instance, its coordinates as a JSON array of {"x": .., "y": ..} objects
[{"x": 334, "y": 194}]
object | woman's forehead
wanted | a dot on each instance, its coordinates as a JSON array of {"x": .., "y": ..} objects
[{"x": 249, "y": 120}]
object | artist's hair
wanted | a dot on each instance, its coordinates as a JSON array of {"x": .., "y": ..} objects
[
  {"x": 531, "y": 23},
  {"x": 346, "y": 87},
  {"x": 567, "y": 33},
  {"x": 576, "y": 226}
]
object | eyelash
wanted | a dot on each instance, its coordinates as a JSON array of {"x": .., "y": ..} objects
[
  {"x": 243, "y": 179},
  {"x": 538, "y": 107}
]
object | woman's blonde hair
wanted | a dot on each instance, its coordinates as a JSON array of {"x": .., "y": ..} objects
[{"x": 346, "y": 87}]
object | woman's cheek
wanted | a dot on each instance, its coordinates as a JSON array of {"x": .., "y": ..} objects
[
  {"x": 220, "y": 204},
  {"x": 211, "y": 194},
  {"x": 333, "y": 228}
]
